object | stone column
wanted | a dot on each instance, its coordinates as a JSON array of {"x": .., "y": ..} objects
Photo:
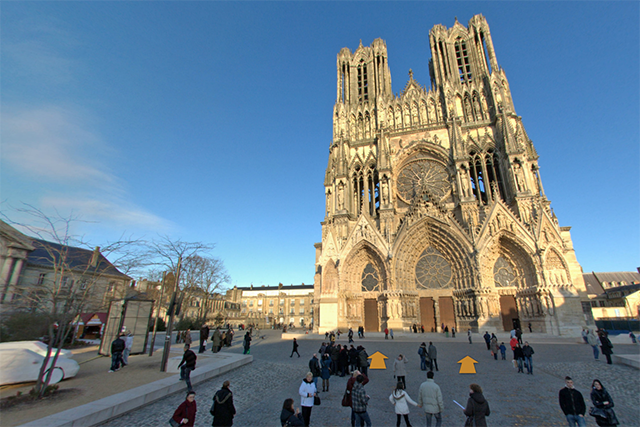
[{"x": 6, "y": 275}]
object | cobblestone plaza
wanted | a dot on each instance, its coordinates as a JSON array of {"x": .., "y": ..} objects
[{"x": 515, "y": 399}]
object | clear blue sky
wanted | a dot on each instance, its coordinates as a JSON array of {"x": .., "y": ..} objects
[{"x": 211, "y": 121}]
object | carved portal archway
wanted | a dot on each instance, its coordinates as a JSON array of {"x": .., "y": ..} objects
[
  {"x": 430, "y": 257},
  {"x": 512, "y": 266},
  {"x": 364, "y": 271}
]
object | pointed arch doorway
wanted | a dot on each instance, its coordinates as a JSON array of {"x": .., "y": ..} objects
[{"x": 371, "y": 323}]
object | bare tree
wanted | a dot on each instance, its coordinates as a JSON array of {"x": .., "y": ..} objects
[
  {"x": 203, "y": 276},
  {"x": 71, "y": 286}
]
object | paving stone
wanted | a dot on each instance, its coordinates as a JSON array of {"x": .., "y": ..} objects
[{"x": 515, "y": 399}]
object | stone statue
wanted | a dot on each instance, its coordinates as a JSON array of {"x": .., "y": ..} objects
[
  {"x": 385, "y": 194},
  {"x": 340, "y": 197}
]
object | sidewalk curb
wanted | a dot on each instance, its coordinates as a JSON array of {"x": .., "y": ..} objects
[{"x": 104, "y": 409}]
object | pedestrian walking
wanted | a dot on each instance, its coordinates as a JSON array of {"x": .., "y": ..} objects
[
  {"x": 594, "y": 342},
  {"x": 399, "y": 369},
  {"x": 314, "y": 368},
  {"x": 469, "y": 335},
  {"x": 530, "y": 330},
  {"x": 363, "y": 360},
  {"x": 601, "y": 399},
  {"x": 117, "y": 347},
  {"x": 606, "y": 346},
  {"x": 518, "y": 355},
  {"x": 343, "y": 361},
  {"x": 185, "y": 414},
  {"x": 477, "y": 407},
  {"x": 433, "y": 356},
  {"x": 229, "y": 337},
  {"x": 430, "y": 400},
  {"x": 453, "y": 332},
  {"x": 631, "y": 335},
  {"x": 519, "y": 335},
  {"x": 325, "y": 373},
  {"x": 386, "y": 333},
  {"x": 247, "y": 343},
  {"x": 494, "y": 348},
  {"x": 223, "y": 409},
  {"x": 350, "y": 383},
  {"x": 350, "y": 335},
  {"x": 527, "y": 352},
  {"x": 187, "y": 337},
  {"x": 290, "y": 416},
  {"x": 391, "y": 332},
  {"x": 572, "y": 404},
  {"x": 487, "y": 339},
  {"x": 359, "y": 402},
  {"x": 585, "y": 333},
  {"x": 307, "y": 392},
  {"x": 128, "y": 345},
  {"x": 446, "y": 331},
  {"x": 216, "y": 341},
  {"x": 503, "y": 351},
  {"x": 422, "y": 352},
  {"x": 187, "y": 364},
  {"x": 400, "y": 400},
  {"x": 295, "y": 348},
  {"x": 204, "y": 336}
]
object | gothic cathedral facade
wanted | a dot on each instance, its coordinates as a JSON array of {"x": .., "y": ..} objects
[{"x": 435, "y": 210}]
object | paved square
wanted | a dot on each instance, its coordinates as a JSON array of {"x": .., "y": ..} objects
[{"x": 515, "y": 399}]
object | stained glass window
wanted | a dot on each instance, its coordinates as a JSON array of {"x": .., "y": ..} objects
[
  {"x": 432, "y": 270},
  {"x": 503, "y": 273},
  {"x": 422, "y": 175},
  {"x": 370, "y": 279}
]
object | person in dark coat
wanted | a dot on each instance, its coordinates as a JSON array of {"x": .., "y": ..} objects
[
  {"x": 295, "y": 348},
  {"x": 601, "y": 399},
  {"x": 289, "y": 415},
  {"x": 343, "y": 361},
  {"x": 326, "y": 372},
  {"x": 433, "y": 356},
  {"x": 204, "y": 336},
  {"x": 247, "y": 343},
  {"x": 187, "y": 364},
  {"x": 216, "y": 341},
  {"x": 314, "y": 368},
  {"x": 606, "y": 346},
  {"x": 477, "y": 406},
  {"x": 185, "y": 415},
  {"x": 223, "y": 410},
  {"x": 572, "y": 403},
  {"x": 117, "y": 347},
  {"x": 487, "y": 339},
  {"x": 518, "y": 355}
]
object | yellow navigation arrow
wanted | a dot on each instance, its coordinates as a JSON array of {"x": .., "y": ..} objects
[
  {"x": 377, "y": 361},
  {"x": 467, "y": 365}
]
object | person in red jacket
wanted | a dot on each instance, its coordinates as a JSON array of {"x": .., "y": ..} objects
[{"x": 185, "y": 415}]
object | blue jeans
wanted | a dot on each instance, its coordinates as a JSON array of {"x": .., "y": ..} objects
[
  {"x": 520, "y": 365},
  {"x": 116, "y": 360},
  {"x": 362, "y": 418},
  {"x": 185, "y": 374},
  {"x": 596, "y": 352},
  {"x": 423, "y": 363},
  {"x": 529, "y": 363},
  {"x": 438, "y": 418},
  {"x": 576, "y": 420}
]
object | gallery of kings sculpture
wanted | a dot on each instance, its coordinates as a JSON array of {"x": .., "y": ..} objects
[{"x": 435, "y": 210}]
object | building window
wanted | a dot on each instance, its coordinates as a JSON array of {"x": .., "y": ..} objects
[
  {"x": 302, "y": 311},
  {"x": 292, "y": 311},
  {"x": 281, "y": 301},
  {"x": 83, "y": 284},
  {"x": 244, "y": 310},
  {"x": 271, "y": 311},
  {"x": 270, "y": 303},
  {"x": 462, "y": 58},
  {"x": 41, "y": 278},
  {"x": 259, "y": 302},
  {"x": 244, "y": 303},
  {"x": 281, "y": 311},
  {"x": 301, "y": 302},
  {"x": 111, "y": 287},
  {"x": 251, "y": 303}
]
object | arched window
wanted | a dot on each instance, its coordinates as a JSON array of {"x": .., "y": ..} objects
[
  {"x": 370, "y": 279},
  {"x": 433, "y": 271},
  {"x": 462, "y": 59}
]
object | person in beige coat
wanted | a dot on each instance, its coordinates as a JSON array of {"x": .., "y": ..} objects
[
  {"x": 430, "y": 400},
  {"x": 399, "y": 370}
]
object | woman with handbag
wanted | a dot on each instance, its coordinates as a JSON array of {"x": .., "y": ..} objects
[
  {"x": 290, "y": 417},
  {"x": 185, "y": 415},
  {"x": 477, "y": 407},
  {"x": 603, "y": 411},
  {"x": 307, "y": 392}
]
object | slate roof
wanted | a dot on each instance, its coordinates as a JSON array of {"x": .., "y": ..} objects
[
  {"x": 593, "y": 280},
  {"x": 77, "y": 259},
  {"x": 275, "y": 288}
]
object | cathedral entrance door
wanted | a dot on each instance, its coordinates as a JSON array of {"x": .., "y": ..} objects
[
  {"x": 447, "y": 315},
  {"x": 427, "y": 314},
  {"x": 371, "y": 315},
  {"x": 509, "y": 311}
]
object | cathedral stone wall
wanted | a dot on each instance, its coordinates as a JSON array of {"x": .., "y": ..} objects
[{"x": 435, "y": 211}]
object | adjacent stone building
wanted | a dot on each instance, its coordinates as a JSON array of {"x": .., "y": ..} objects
[
  {"x": 435, "y": 209},
  {"x": 266, "y": 306}
]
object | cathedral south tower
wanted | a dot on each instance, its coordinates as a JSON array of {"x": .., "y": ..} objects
[{"x": 435, "y": 210}]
